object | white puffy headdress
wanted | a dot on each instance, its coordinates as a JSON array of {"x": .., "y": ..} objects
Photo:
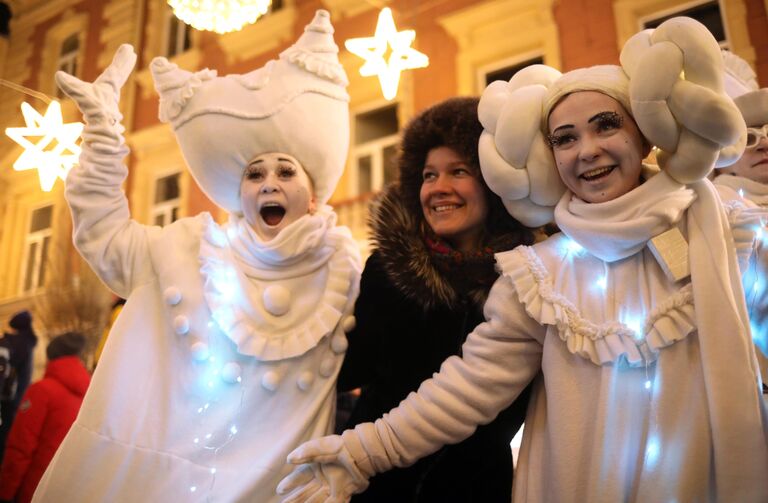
[
  {"x": 741, "y": 85},
  {"x": 670, "y": 81},
  {"x": 296, "y": 105}
]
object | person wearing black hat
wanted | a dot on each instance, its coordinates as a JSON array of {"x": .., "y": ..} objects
[
  {"x": 18, "y": 344},
  {"x": 46, "y": 413}
]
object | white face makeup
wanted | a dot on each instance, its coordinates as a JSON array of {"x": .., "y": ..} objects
[
  {"x": 275, "y": 191},
  {"x": 452, "y": 199},
  {"x": 753, "y": 164},
  {"x": 597, "y": 146}
]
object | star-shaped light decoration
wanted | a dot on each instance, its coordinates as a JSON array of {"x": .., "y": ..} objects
[
  {"x": 373, "y": 51},
  {"x": 55, "y": 149}
]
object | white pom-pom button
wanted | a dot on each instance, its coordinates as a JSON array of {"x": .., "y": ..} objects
[
  {"x": 348, "y": 324},
  {"x": 327, "y": 366},
  {"x": 230, "y": 372},
  {"x": 172, "y": 295},
  {"x": 181, "y": 324},
  {"x": 339, "y": 343},
  {"x": 200, "y": 351},
  {"x": 277, "y": 299},
  {"x": 305, "y": 380},
  {"x": 270, "y": 380}
]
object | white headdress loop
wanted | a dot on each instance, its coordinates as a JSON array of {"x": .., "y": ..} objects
[
  {"x": 741, "y": 85},
  {"x": 296, "y": 105},
  {"x": 515, "y": 158},
  {"x": 679, "y": 101}
]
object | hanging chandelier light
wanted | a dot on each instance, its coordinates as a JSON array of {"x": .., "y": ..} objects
[{"x": 220, "y": 16}]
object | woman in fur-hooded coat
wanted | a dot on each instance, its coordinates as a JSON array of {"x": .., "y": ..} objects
[{"x": 419, "y": 298}]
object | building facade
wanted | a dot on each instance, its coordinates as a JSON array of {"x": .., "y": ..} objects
[{"x": 469, "y": 44}]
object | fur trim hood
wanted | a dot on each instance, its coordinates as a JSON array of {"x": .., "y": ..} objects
[
  {"x": 407, "y": 261},
  {"x": 398, "y": 237}
]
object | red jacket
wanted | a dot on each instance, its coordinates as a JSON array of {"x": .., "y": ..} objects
[{"x": 46, "y": 413}]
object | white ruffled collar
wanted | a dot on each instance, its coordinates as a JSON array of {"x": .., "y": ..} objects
[
  {"x": 611, "y": 341},
  {"x": 236, "y": 282},
  {"x": 754, "y": 191},
  {"x": 619, "y": 228}
]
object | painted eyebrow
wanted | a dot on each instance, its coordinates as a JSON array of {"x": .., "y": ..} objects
[
  {"x": 606, "y": 113},
  {"x": 564, "y": 126}
]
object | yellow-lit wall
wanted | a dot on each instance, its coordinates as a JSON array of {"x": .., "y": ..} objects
[{"x": 463, "y": 38}]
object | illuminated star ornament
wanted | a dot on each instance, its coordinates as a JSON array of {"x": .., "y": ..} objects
[
  {"x": 373, "y": 50},
  {"x": 50, "y": 146}
]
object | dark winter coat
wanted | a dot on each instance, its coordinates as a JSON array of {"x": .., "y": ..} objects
[
  {"x": 410, "y": 317},
  {"x": 20, "y": 346},
  {"x": 45, "y": 415}
]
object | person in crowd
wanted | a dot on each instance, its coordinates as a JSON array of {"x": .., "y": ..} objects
[
  {"x": 631, "y": 323},
  {"x": 18, "y": 344},
  {"x": 46, "y": 413},
  {"x": 225, "y": 355},
  {"x": 745, "y": 183},
  {"x": 421, "y": 293}
]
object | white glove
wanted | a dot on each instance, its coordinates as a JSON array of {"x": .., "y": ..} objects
[
  {"x": 327, "y": 473},
  {"x": 98, "y": 101}
]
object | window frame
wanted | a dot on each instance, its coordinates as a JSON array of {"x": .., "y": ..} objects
[
  {"x": 39, "y": 237},
  {"x": 165, "y": 208},
  {"x": 373, "y": 148},
  {"x": 674, "y": 9}
]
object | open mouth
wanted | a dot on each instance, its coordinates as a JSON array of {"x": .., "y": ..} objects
[
  {"x": 272, "y": 214},
  {"x": 597, "y": 173}
]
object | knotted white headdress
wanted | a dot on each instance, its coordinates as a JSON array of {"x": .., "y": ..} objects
[
  {"x": 670, "y": 81},
  {"x": 297, "y": 105},
  {"x": 741, "y": 85}
]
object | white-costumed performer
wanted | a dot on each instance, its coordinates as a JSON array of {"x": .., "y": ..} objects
[
  {"x": 745, "y": 182},
  {"x": 225, "y": 355},
  {"x": 645, "y": 388}
]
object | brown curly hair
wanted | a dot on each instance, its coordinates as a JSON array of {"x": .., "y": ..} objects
[{"x": 452, "y": 123}]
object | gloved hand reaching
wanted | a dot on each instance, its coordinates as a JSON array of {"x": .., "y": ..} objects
[{"x": 331, "y": 469}]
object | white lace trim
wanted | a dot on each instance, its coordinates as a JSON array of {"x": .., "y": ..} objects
[
  {"x": 670, "y": 321},
  {"x": 255, "y": 337}
]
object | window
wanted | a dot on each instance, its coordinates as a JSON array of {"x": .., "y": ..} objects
[
  {"x": 707, "y": 13},
  {"x": 68, "y": 58},
  {"x": 374, "y": 154},
  {"x": 507, "y": 72},
  {"x": 178, "y": 38},
  {"x": 36, "y": 247},
  {"x": 167, "y": 201}
]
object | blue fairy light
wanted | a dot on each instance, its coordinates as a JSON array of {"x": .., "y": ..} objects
[
  {"x": 652, "y": 453},
  {"x": 233, "y": 429},
  {"x": 602, "y": 282},
  {"x": 571, "y": 247},
  {"x": 635, "y": 323},
  {"x": 647, "y": 384},
  {"x": 192, "y": 489}
]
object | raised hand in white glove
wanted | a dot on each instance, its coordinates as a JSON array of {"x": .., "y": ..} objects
[
  {"x": 328, "y": 471},
  {"x": 98, "y": 101}
]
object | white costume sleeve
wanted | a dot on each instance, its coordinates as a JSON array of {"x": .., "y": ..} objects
[
  {"x": 500, "y": 357},
  {"x": 745, "y": 219},
  {"x": 115, "y": 246}
]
